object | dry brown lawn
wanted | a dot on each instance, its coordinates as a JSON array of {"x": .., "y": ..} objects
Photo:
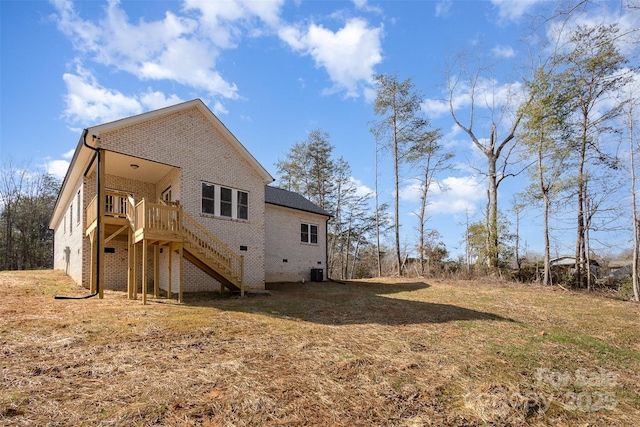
[{"x": 365, "y": 353}]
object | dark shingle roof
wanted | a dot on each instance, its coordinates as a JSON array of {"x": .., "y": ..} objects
[{"x": 289, "y": 199}]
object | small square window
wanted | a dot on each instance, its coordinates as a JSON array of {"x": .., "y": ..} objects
[{"x": 309, "y": 233}]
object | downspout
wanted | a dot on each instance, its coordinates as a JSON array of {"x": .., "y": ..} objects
[
  {"x": 326, "y": 246},
  {"x": 98, "y": 224}
]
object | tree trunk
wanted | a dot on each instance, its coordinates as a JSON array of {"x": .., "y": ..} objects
[
  {"x": 579, "y": 274},
  {"x": 636, "y": 224},
  {"x": 492, "y": 220},
  {"x": 396, "y": 170}
]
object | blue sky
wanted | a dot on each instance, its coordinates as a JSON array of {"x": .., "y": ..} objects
[{"x": 272, "y": 71}]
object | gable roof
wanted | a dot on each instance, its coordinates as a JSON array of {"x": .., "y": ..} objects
[
  {"x": 289, "y": 199},
  {"x": 83, "y": 156},
  {"x": 95, "y": 130}
]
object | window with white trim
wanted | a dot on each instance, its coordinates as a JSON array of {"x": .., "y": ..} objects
[
  {"x": 243, "y": 205},
  {"x": 208, "y": 198},
  {"x": 79, "y": 207},
  {"x": 309, "y": 233},
  {"x": 225, "y": 202}
]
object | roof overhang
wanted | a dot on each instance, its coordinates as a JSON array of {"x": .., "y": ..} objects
[
  {"x": 82, "y": 157},
  {"x": 242, "y": 150},
  {"x": 120, "y": 164}
]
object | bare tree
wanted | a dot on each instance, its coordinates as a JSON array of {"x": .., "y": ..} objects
[
  {"x": 26, "y": 201},
  {"x": 398, "y": 103},
  {"x": 497, "y": 149},
  {"x": 636, "y": 221},
  {"x": 430, "y": 158}
]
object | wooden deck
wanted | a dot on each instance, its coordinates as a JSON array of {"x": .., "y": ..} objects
[{"x": 145, "y": 224}]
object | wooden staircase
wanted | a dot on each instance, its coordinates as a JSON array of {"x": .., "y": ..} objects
[
  {"x": 210, "y": 255},
  {"x": 166, "y": 224}
]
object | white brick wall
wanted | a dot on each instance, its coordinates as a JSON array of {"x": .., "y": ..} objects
[
  {"x": 282, "y": 242},
  {"x": 189, "y": 141},
  {"x": 71, "y": 235}
]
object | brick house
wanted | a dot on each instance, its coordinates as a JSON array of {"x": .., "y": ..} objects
[{"x": 186, "y": 208}]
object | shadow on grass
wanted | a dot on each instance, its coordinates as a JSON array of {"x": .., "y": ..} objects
[{"x": 332, "y": 303}]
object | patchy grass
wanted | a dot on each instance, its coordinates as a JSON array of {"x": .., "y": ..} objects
[{"x": 375, "y": 352}]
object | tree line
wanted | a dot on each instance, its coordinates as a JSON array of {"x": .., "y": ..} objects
[
  {"x": 568, "y": 125},
  {"x": 27, "y": 199},
  {"x": 562, "y": 125}
]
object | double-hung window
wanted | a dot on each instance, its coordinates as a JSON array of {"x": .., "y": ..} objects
[
  {"x": 309, "y": 233},
  {"x": 225, "y": 202},
  {"x": 208, "y": 198},
  {"x": 243, "y": 205}
]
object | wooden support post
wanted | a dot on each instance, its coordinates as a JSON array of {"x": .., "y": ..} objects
[
  {"x": 156, "y": 271},
  {"x": 242, "y": 276},
  {"x": 135, "y": 271},
  {"x": 169, "y": 275},
  {"x": 145, "y": 245},
  {"x": 92, "y": 274},
  {"x": 130, "y": 263},
  {"x": 181, "y": 271},
  {"x": 101, "y": 211}
]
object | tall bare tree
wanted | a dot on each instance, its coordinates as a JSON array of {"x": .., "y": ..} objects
[
  {"x": 430, "y": 158},
  {"x": 401, "y": 125},
  {"x": 479, "y": 86},
  {"x": 633, "y": 148}
]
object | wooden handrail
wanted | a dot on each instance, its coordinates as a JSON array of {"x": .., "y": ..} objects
[
  {"x": 117, "y": 203},
  {"x": 213, "y": 248},
  {"x": 153, "y": 216},
  {"x": 131, "y": 206},
  {"x": 92, "y": 211}
]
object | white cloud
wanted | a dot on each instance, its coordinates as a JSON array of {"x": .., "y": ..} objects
[
  {"x": 627, "y": 23},
  {"x": 411, "y": 191},
  {"x": 442, "y": 8},
  {"x": 449, "y": 196},
  {"x": 360, "y": 3},
  {"x": 459, "y": 194},
  {"x": 57, "y": 168},
  {"x": 224, "y": 21},
  {"x": 503, "y": 52},
  {"x": 361, "y": 189},
  {"x": 69, "y": 154},
  {"x": 488, "y": 93},
  {"x": 512, "y": 10},
  {"x": 349, "y": 54},
  {"x": 87, "y": 102},
  {"x": 434, "y": 107},
  {"x": 175, "y": 48},
  {"x": 153, "y": 100}
]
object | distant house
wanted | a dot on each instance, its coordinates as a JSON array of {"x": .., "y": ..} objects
[
  {"x": 566, "y": 264},
  {"x": 176, "y": 185}
]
